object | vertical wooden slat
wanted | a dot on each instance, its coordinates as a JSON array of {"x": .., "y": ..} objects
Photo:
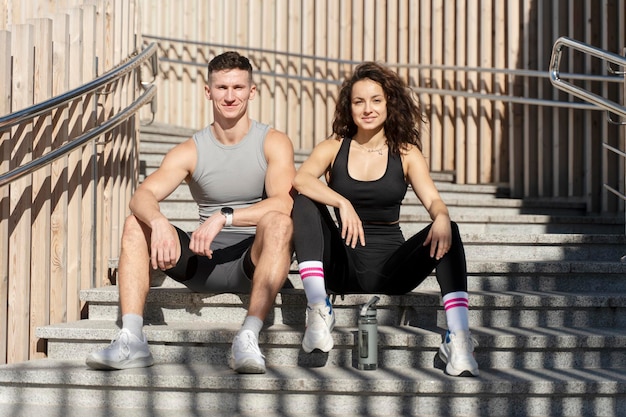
[
  {"x": 88, "y": 215},
  {"x": 294, "y": 66},
  {"x": 516, "y": 167},
  {"x": 59, "y": 174},
  {"x": 308, "y": 119},
  {"x": 425, "y": 28},
  {"x": 74, "y": 164},
  {"x": 460, "y": 137},
  {"x": 5, "y": 139},
  {"x": 559, "y": 13},
  {"x": 485, "y": 137},
  {"x": 281, "y": 67},
  {"x": 499, "y": 117},
  {"x": 106, "y": 153},
  {"x": 357, "y": 16},
  {"x": 436, "y": 113},
  {"x": 40, "y": 229},
  {"x": 404, "y": 39},
  {"x": 542, "y": 153},
  {"x": 268, "y": 38},
  {"x": 621, "y": 42},
  {"x": 392, "y": 42},
  {"x": 115, "y": 169},
  {"x": 22, "y": 46},
  {"x": 578, "y": 24},
  {"x": 450, "y": 18},
  {"x": 472, "y": 153},
  {"x": 382, "y": 23}
]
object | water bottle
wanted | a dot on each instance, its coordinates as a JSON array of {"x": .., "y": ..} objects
[{"x": 368, "y": 336}]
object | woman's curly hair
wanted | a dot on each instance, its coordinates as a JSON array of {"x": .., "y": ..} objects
[{"x": 404, "y": 118}]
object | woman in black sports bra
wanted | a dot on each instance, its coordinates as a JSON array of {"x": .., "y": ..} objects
[{"x": 369, "y": 161}]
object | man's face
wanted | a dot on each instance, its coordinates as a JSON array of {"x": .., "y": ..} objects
[{"x": 230, "y": 91}]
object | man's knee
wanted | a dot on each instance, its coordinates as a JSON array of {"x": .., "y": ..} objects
[
  {"x": 133, "y": 232},
  {"x": 276, "y": 225}
]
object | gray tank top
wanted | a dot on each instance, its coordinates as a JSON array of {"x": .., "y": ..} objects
[{"x": 232, "y": 176}]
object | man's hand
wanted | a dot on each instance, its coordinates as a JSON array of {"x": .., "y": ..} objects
[
  {"x": 164, "y": 245},
  {"x": 202, "y": 238}
]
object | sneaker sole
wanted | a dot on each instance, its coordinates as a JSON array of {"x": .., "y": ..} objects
[
  {"x": 249, "y": 367},
  {"x": 324, "y": 348},
  {"x": 449, "y": 370},
  {"x": 96, "y": 364}
]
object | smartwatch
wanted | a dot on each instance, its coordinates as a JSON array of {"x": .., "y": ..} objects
[{"x": 228, "y": 213}]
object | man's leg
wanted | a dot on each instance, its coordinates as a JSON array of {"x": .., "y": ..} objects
[
  {"x": 134, "y": 267},
  {"x": 130, "y": 347},
  {"x": 271, "y": 255}
]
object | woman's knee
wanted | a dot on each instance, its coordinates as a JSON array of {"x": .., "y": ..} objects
[{"x": 302, "y": 205}]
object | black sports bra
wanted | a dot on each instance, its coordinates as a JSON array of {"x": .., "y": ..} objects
[{"x": 376, "y": 201}]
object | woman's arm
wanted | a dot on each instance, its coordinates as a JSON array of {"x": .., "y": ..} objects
[
  {"x": 308, "y": 183},
  {"x": 418, "y": 175}
]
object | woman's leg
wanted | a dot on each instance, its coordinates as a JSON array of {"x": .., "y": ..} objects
[
  {"x": 315, "y": 243},
  {"x": 410, "y": 265},
  {"x": 319, "y": 249}
]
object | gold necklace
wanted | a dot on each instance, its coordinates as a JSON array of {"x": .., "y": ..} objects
[{"x": 379, "y": 150}]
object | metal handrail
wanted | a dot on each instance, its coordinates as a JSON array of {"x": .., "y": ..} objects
[
  {"x": 104, "y": 128},
  {"x": 22, "y": 115},
  {"x": 45, "y": 106},
  {"x": 505, "y": 98},
  {"x": 597, "y": 100},
  {"x": 555, "y": 78}
]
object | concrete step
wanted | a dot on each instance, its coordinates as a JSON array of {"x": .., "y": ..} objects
[
  {"x": 524, "y": 308},
  {"x": 404, "y": 345},
  {"x": 195, "y": 389}
]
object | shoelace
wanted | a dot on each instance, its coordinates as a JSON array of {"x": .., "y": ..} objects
[
  {"x": 123, "y": 340},
  {"x": 249, "y": 344}
]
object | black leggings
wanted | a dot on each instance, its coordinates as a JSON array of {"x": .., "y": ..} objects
[{"x": 396, "y": 271}]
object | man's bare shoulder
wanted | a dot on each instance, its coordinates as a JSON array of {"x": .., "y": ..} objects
[
  {"x": 182, "y": 155},
  {"x": 277, "y": 141}
]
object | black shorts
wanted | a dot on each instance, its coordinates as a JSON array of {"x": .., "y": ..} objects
[{"x": 229, "y": 270}]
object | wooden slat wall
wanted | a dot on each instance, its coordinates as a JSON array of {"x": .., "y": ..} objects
[
  {"x": 60, "y": 226},
  {"x": 535, "y": 151}
]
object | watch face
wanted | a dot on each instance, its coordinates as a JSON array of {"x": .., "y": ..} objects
[{"x": 227, "y": 210}]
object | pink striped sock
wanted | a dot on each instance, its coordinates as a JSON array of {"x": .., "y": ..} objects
[
  {"x": 456, "y": 305},
  {"x": 312, "y": 274}
]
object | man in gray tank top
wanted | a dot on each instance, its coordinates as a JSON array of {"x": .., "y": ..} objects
[{"x": 239, "y": 172}]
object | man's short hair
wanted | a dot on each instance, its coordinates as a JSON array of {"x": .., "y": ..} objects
[{"x": 230, "y": 60}]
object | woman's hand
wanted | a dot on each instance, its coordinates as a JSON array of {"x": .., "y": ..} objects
[
  {"x": 439, "y": 237},
  {"x": 351, "y": 225}
]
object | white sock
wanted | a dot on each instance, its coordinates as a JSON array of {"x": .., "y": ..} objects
[
  {"x": 252, "y": 323},
  {"x": 134, "y": 324},
  {"x": 312, "y": 274},
  {"x": 456, "y": 305}
]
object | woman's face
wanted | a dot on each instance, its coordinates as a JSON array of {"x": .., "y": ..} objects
[{"x": 369, "y": 105}]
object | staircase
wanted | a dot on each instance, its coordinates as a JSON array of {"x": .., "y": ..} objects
[{"x": 547, "y": 308}]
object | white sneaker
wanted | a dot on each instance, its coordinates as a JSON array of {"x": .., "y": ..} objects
[
  {"x": 246, "y": 356},
  {"x": 320, "y": 321},
  {"x": 457, "y": 351},
  {"x": 125, "y": 351}
]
